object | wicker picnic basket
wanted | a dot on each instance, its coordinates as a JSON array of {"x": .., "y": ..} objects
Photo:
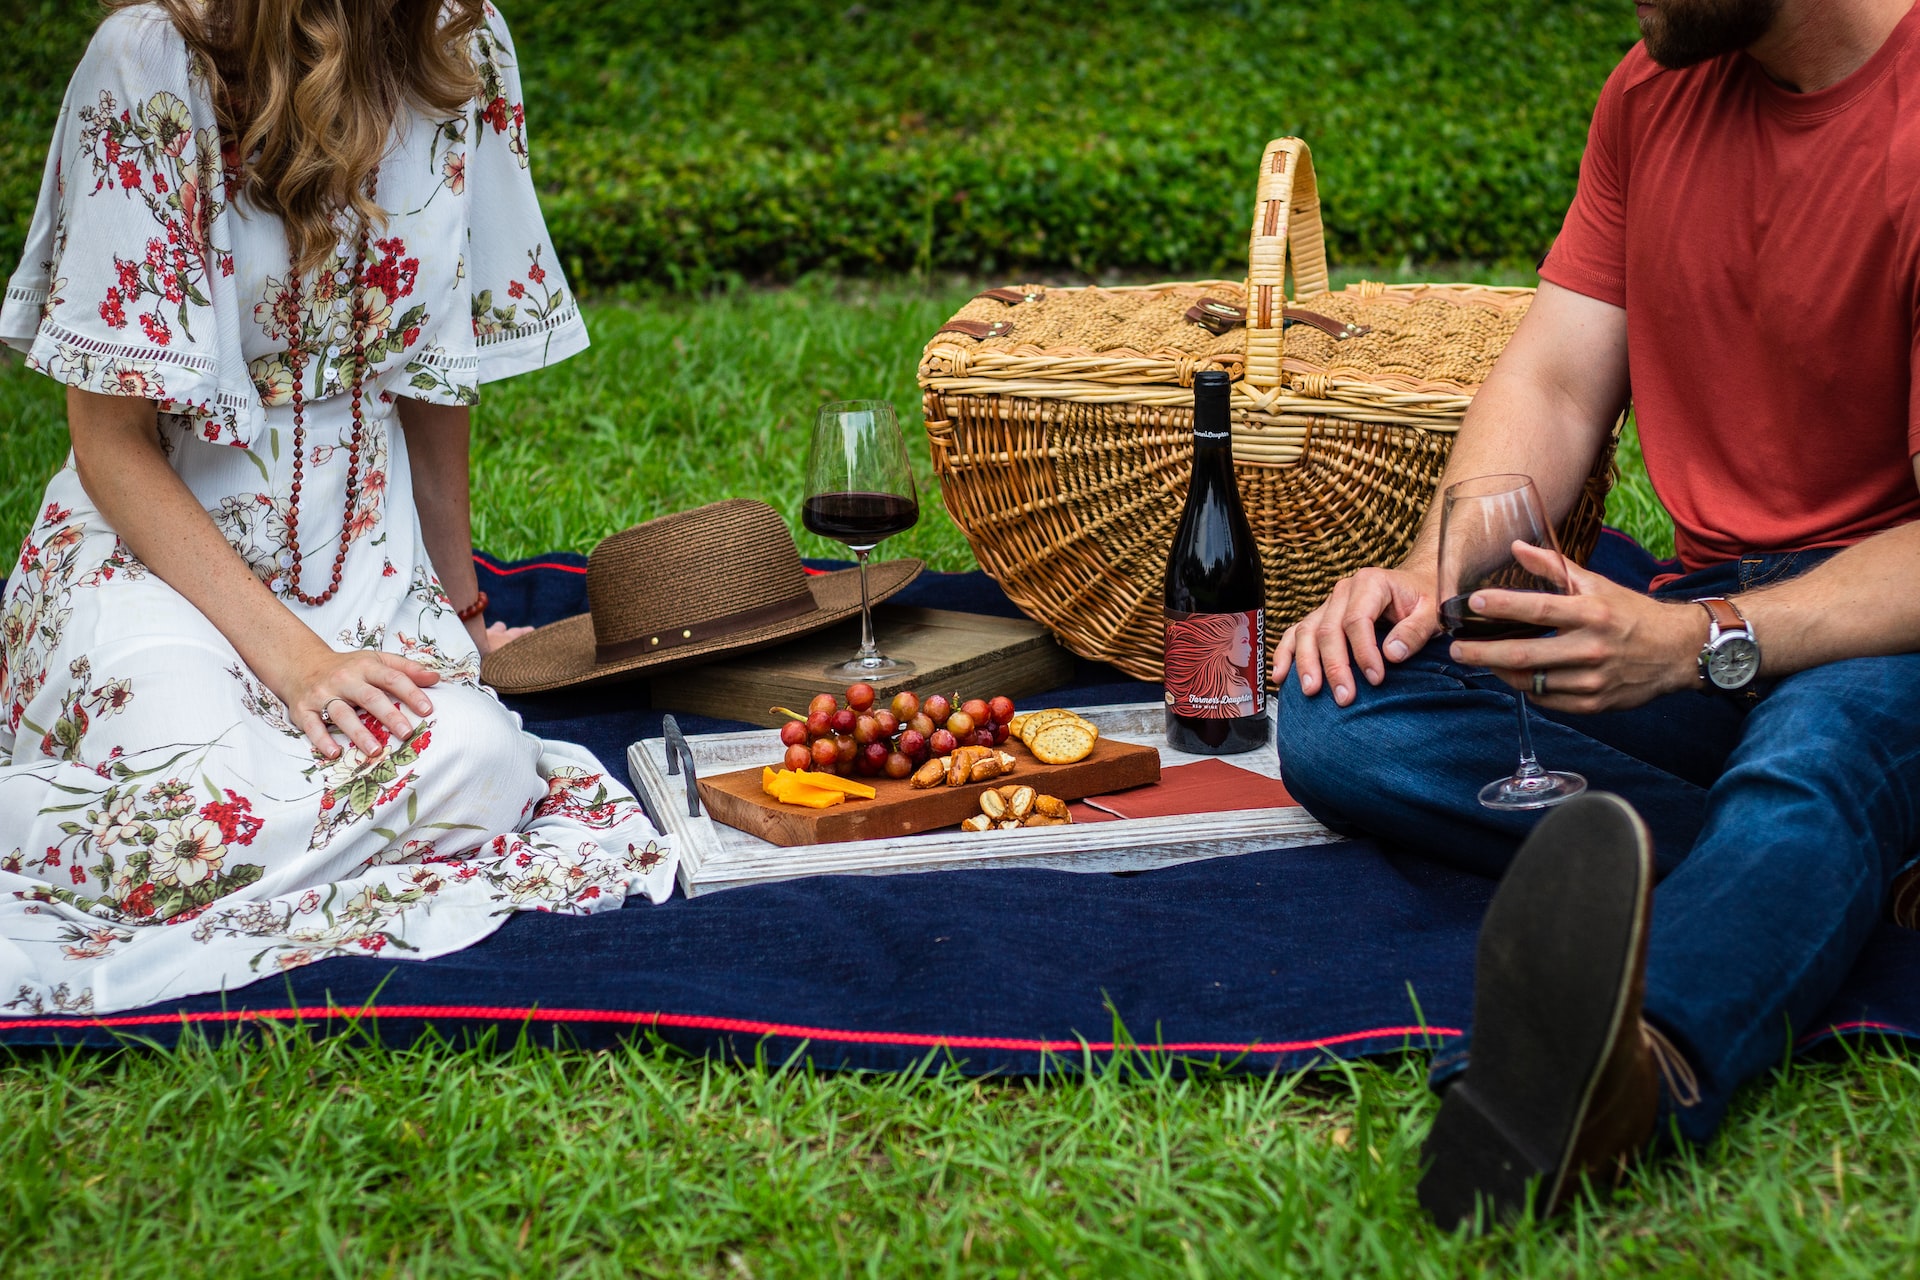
[{"x": 1061, "y": 424}]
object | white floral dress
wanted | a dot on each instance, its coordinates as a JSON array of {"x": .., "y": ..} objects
[{"x": 164, "y": 829}]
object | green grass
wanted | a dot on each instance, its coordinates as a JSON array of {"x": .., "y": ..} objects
[
  {"x": 763, "y": 139},
  {"x": 290, "y": 1157},
  {"x": 680, "y": 402}
]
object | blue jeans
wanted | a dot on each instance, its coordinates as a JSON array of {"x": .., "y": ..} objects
[{"x": 1779, "y": 818}]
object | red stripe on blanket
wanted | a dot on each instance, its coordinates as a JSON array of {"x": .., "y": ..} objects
[
  {"x": 699, "y": 1022},
  {"x": 491, "y": 567}
]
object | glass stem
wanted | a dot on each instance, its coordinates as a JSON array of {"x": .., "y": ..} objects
[
  {"x": 1529, "y": 767},
  {"x": 868, "y": 650}
]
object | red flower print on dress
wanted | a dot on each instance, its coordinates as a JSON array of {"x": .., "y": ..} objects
[
  {"x": 238, "y": 825},
  {"x": 536, "y": 273},
  {"x": 516, "y": 290},
  {"x": 129, "y": 175},
  {"x": 54, "y": 513},
  {"x": 113, "y": 310},
  {"x": 156, "y": 328},
  {"x": 140, "y": 901}
]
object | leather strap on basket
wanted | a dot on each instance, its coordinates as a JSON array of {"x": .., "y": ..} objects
[
  {"x": 1286, "y": 226},
  {"x": 1014, "y": 297},
  {"x": 978, "y": 330},
  {"x": 1222, "y": 317}
]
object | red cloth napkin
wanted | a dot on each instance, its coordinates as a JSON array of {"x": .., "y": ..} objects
[{"x": 1207, "y": 786}]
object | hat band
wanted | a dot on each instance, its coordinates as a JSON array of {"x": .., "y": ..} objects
[{"x": 709, "y": 629}]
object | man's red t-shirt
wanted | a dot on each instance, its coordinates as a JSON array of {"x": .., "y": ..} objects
[{"x": 1766, "y": 247}]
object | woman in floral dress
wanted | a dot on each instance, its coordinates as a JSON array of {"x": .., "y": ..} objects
[{"x": 241, "y": 725}]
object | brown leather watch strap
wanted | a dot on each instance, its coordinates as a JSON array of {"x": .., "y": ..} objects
[{"x": 1725, "y": 616}]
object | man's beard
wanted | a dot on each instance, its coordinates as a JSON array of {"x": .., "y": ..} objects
[{"x": 1680, "y": 33}]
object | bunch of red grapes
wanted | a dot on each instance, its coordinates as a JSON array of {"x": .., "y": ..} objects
[{"x": 857, "y": 737}]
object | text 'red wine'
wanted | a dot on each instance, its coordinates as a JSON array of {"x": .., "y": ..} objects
[{"x": 1216, "y": 630}]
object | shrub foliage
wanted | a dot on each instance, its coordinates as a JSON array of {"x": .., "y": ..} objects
[{"x": 762, "y": 139}]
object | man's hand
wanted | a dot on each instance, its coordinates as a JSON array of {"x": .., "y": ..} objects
[
  {"x": 1329, "y": 642},
  {"x": 1615, "y": 649}
]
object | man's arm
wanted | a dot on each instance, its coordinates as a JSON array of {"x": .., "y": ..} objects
[
  {"x": 1544, "y": 411},
  {"x": 1617, "y": 648}
]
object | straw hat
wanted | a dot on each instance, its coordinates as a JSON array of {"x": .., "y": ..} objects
[{"x": 722, "y": 578}]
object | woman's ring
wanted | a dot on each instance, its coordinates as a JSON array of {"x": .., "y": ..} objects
[
  {"x": 337, "y": 698},
  {"x": 1539, "y": 683}
]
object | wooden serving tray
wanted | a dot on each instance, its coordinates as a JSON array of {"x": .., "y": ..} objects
[{"x": 898, "y": 809}]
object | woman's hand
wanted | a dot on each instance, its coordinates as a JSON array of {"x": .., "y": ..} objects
[
  {"x": 1327, "y": 643},
  {"x": 333, "y": 688},
  {"x": 488, "y": 638},
  {"x": 1614, "y": 648}
]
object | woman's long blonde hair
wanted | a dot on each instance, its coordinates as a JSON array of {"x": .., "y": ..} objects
[{"x": 307, "y": 92}]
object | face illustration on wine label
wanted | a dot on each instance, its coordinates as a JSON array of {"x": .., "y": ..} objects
[{"x": 1213, "y": 664}]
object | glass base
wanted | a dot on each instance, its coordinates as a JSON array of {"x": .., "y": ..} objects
[
  {"x": 869, "y": 667},
  {"x": 1541, "y": 791}
]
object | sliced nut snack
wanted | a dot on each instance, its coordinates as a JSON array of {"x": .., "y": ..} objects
[
  {"x": 1051, "y": 807},
  {"x": 1006, "y": 762},
  {"x": 930, "y": 774},
  {"x": 1042, "y": 820},
  {"x": 985, "y": 770},
  {"x": 1020, "y": 803},
  {"x": 1010, "y": 825},
  {"x": 978, "y": 822},
  {"x": 994, "y": 805},
  {"x": 960, "y": 768},
  {"x": 1062, "y": 742}
]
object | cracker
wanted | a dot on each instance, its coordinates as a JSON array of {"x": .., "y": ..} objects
[{"x": 1063, "y": 742}]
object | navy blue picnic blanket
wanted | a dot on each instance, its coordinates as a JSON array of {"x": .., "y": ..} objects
[{"x": 1266, "y": 961}]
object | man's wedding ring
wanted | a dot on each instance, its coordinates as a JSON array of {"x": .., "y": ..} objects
[
  {"x": 327, "y": 718},
  {"x": 1539, "y": 683}
]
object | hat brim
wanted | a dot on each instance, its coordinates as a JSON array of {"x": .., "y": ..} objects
[{"x": 561, "y": 654}]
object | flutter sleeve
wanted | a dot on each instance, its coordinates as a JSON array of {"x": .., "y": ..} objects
[
  {"x": 124, "y": 287},
  {"x": 524, "y": 315}
]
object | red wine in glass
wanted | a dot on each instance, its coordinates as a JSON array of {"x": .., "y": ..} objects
[
  {"x": 860, "y": 491},
  {"x": 1480, "y": 521},
  {"x": 1462, "y": 623},
  {"x": 859, "y": 519}
]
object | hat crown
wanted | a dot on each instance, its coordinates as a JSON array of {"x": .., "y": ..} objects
[{"x": 680, "y": 573}]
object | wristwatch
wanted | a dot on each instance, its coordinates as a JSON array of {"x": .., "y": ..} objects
[{"x": 1731, "y": 657}]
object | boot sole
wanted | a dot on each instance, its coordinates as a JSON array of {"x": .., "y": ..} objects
[{"x": 1554, "y": 970}]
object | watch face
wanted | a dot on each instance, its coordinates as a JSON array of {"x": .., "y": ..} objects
[{"x": 1734, "y": 662}]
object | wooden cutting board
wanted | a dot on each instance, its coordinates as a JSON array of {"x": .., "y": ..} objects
[{"x": 899, "y": 810}]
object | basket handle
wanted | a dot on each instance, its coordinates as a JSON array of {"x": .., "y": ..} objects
[{"x": 1286, "y": 219}]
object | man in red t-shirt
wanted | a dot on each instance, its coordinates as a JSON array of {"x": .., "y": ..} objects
[{"x": 1745, "y": 248}]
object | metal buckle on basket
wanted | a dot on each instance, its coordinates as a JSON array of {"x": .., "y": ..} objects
[{"x": 1216, "y": 316}]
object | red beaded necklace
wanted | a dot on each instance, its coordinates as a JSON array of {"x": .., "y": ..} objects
[{"x": 296, "y": 361}]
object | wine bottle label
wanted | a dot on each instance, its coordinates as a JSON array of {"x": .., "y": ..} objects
[{"x": 1214, "y": 662}]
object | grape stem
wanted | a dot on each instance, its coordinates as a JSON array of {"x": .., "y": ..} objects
[{"x": 783, "y": 711}]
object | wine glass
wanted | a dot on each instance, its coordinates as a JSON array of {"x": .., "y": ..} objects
[
  {"x": 860, "y": 492},
  {"x": 1480, "y": 520}
]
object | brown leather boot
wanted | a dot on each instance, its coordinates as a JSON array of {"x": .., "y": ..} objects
[{"x": 1563, "y": 1081}]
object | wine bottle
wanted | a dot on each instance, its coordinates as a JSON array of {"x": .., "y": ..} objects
[{"x": 1216, "y": 632}]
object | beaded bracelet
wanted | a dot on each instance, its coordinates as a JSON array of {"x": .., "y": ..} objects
[{"x": 474, "y": 610}]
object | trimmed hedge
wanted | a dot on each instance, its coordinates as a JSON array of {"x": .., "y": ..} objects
[{"x": 684, "y": 144}]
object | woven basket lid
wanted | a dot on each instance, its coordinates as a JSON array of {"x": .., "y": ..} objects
[
  {"x": 1413, "y": 338},
  {"x": 723, "y": 578}
]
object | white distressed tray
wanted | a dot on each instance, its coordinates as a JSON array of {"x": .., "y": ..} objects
[{"x": 715, "y": 856}]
